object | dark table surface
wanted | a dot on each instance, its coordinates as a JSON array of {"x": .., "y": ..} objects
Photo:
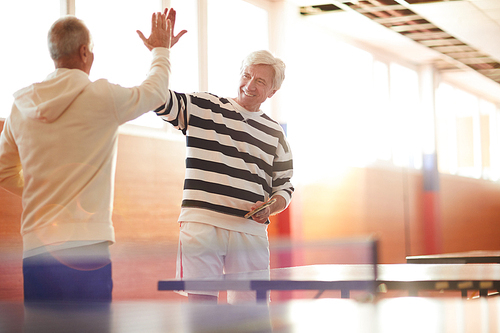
[
  {"x": 457, "y": 258},
  {"x": 412, "y": 277}
]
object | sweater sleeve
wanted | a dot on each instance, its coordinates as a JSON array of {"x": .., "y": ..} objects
[
  {"x": 11, "y": 173},
  {"x": 175, "y": 110},
  {"x": 131, "y": 103},
  {"x": 282, "y": 172}
]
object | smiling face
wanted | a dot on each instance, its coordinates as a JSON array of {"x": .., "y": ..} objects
[{"x": 256, "y": 85}]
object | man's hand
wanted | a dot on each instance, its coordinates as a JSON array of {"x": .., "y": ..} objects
[
  {"x": 171, "y": 17},
  {"x": 160, "y": 32},
  {"x": 162, "y": 26},
  {"x": 275, "y": 208},
  {"x": 263, "y": 215}
]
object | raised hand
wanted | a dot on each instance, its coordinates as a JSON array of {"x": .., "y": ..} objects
[
  {"x": 161, "y": 32},
  {"x": 171, "y": 17}
]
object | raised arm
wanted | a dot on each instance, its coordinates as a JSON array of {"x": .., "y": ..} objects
[{"x": 162, "y": 27}]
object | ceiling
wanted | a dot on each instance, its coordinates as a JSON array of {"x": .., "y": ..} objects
[{"x": 461, "y": 38}]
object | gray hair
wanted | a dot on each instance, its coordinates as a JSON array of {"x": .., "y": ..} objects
[
  {"x": 264, "y": 57},
  {"x": 66, "y": 36}
]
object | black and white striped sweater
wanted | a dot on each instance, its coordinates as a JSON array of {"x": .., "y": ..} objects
[{"x": 234, "y": 158}]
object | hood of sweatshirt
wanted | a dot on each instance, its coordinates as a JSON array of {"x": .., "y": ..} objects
[{"x": 49, "y": 99}]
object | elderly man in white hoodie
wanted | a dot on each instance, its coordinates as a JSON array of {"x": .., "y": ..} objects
[{"x": 58, "y": 152}]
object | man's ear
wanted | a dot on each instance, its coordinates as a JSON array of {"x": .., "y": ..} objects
[
  {"x": 271, "y": 94},
  {"x": 84, "y": 53}
]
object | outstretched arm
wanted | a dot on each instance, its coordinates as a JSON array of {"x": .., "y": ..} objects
[{"x": 162, "y": 27}]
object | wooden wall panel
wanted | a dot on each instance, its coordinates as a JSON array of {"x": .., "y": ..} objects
[
  {"x": 11, "y": 246},
  {"x": 368, "y": 202},
  {"x": 470, "y": 210},
  {"x": 148, "y": 195},
  {"x": 389, "y": 205}
]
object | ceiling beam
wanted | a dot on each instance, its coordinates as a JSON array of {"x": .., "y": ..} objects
[{"x": 397, "y": 17}]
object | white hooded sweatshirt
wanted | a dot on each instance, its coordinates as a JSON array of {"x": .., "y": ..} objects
[{"x": 58, "y": 151}]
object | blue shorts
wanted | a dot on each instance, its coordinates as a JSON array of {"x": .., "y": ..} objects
[{"x": 48, "y": 278}]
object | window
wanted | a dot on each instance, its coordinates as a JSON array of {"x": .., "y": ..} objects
[
  {"x": 488, "y": 140},
  {"x": 185, "y": 54},
  {"x": 467, "y": 134},
  {"x": 381, "y": 119},
  {"x": 330, "y": 108},
  {"x": 28, "y": 59},
  {"x": 406, "y": 123},
  {"x": 120, "y": 55},
  {"x": 235, "y": 28},
  {"x": 446, "y": 129}
]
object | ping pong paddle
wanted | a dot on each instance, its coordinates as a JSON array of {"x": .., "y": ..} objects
[{"x": 261, "y": 207}]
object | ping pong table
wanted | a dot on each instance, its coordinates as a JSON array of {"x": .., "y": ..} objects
[
  {"x": 346, "y": 278},
  {"x": 469, "y": 257}
]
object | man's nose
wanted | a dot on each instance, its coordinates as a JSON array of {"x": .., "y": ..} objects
[{"x": 251, "y": 84}]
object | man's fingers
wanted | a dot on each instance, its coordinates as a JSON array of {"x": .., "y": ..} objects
[
  {"x": 160, "y": 20},
  {"x": 169, "y": 27},
  {"x": 169, "y": 33},
  {"x": 153, "y": 21},
  {"x": 144, "y": 40},
  {"x": 180, "y": 34},
  {"x": 163, "y": 21},
  {"x": 171, "y": 14},
  {"x": 141, "y": 35}
]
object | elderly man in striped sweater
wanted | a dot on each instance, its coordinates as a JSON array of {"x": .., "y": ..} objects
[{"x": 237, "y": 159}]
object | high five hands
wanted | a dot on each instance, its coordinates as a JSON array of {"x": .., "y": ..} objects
[{"x": 162, "y": 30}]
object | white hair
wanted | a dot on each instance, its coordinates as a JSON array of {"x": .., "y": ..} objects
[
  {"x": 66, "y": 36},
  {"x": 264, "y": 57}
]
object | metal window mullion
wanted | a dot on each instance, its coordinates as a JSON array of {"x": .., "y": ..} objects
[
  {"x": 67, "y": 7},
  {"x": 203, "y": 44}
]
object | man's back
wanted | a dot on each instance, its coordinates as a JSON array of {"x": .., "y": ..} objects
[{"x": 65, "y": 129}]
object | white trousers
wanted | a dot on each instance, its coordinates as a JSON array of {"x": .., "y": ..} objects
[{"x": 205, "y": 250}]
